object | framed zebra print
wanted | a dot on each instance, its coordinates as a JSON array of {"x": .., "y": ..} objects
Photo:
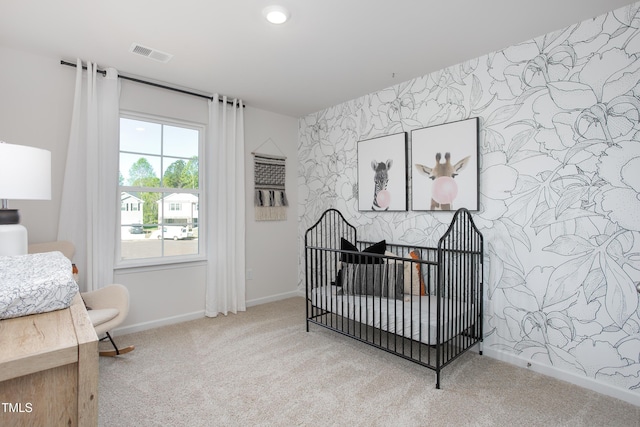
[{"x": 382, "y": 173}]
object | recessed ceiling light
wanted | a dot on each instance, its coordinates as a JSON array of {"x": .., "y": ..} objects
[{"x": 276, "y": 14}]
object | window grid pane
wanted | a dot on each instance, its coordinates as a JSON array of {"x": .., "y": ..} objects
[{"x": 163, "y": 222}]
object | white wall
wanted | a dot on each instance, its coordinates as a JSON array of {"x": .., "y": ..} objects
[
  {"x": 558, "y": 191},
  {"x": 271, "y": 245},
  {"x": 35, "y": 109},
  {"x": 36, "y": 97},
  {"x": 173, "y": 292}
]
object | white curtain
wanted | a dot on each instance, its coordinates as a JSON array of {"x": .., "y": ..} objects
[
  {"x": 225, "y": 201},
  {"x": 89, "y": 195}
]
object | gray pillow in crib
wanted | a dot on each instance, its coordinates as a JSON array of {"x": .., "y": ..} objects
[{"x": 380, "y": 280}]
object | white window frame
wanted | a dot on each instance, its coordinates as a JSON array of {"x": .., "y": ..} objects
[{"x": 200, "y": 192}]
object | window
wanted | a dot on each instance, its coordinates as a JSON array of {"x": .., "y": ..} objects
[{"x": 159, "y": 187}]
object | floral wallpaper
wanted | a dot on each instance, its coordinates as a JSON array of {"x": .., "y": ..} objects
[{"x": 559, "y": 188}]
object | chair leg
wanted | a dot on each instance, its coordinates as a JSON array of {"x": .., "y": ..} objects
[{"x": 117, "y": 351}]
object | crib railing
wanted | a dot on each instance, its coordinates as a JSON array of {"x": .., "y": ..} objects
[
  {"x": 460, "y": 275},
  {"x": 403, "y": 333},
  {"x": 431, "y": 329}
]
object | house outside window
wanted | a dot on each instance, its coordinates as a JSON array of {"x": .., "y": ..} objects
[
  {"x": 179, "y": 208},
  {"x": 160, "y": 192},
  {"x": 131, "y": 214}
]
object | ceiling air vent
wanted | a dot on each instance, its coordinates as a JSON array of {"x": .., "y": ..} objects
[{"x": 148, "y": 52}]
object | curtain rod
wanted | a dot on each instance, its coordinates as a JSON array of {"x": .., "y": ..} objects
[{"x": 133, "y": 79}]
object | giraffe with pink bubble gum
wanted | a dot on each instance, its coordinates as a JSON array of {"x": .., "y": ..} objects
[{"x": 444, "y": 189}]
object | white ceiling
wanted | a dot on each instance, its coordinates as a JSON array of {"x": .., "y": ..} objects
[{"x": 329, "y": 52}]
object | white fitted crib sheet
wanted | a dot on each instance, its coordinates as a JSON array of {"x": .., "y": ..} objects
[{"x": 414, "y": 317}]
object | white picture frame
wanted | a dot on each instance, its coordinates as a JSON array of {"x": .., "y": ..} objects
[
  {"x": 380, "y": 158},
  {"x": 437, "y": 151}
]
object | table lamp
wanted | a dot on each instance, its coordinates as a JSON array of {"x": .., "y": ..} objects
[{"x": 25, "y": 174}]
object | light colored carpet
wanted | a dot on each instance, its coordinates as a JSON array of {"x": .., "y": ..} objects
[{"x": 261, "y": 368}]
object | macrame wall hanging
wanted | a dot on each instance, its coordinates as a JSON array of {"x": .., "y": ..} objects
[{"x": 270, "y": 198}]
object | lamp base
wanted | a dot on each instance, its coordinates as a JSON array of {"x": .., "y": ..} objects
[
  {"x": 13, "y": 239},
  {"x": 9, "y": 216}
]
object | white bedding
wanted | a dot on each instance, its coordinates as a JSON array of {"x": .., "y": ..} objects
[
  {"x": 36, "y": 283},
  {"x": 414, "y": 317}
]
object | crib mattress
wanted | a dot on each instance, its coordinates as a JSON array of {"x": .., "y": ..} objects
[
  {"x": 36, "y": 283},
  {"x": 413, "y": 317}
]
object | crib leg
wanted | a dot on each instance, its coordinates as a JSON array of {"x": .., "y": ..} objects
[
  {"x": 479, "y": 344},
  {"x": 438, "y": 379}
]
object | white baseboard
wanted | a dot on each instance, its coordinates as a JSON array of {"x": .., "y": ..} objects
[
  {"x": 589, "y": 383},
  {"x": 143, "y": 326},
  {"x": 274, "y": 298}
]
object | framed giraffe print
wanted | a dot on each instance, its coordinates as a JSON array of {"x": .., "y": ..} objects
[
  {"x": 445, "y": 174},
  {"x": 382, "y": 173}
]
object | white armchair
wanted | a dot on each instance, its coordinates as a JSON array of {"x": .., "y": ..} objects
[
  {"x": 67, "y": 248},
  {"x": 107, "y": 307}
]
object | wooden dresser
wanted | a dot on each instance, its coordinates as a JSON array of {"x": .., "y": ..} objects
[{"x": 49, "y": 369}]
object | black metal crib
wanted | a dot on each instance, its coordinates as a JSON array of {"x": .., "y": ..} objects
[{"x": 423, "y": 304}]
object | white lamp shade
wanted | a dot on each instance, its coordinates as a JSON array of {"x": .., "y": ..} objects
[{"x": 25, "y": 172}]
